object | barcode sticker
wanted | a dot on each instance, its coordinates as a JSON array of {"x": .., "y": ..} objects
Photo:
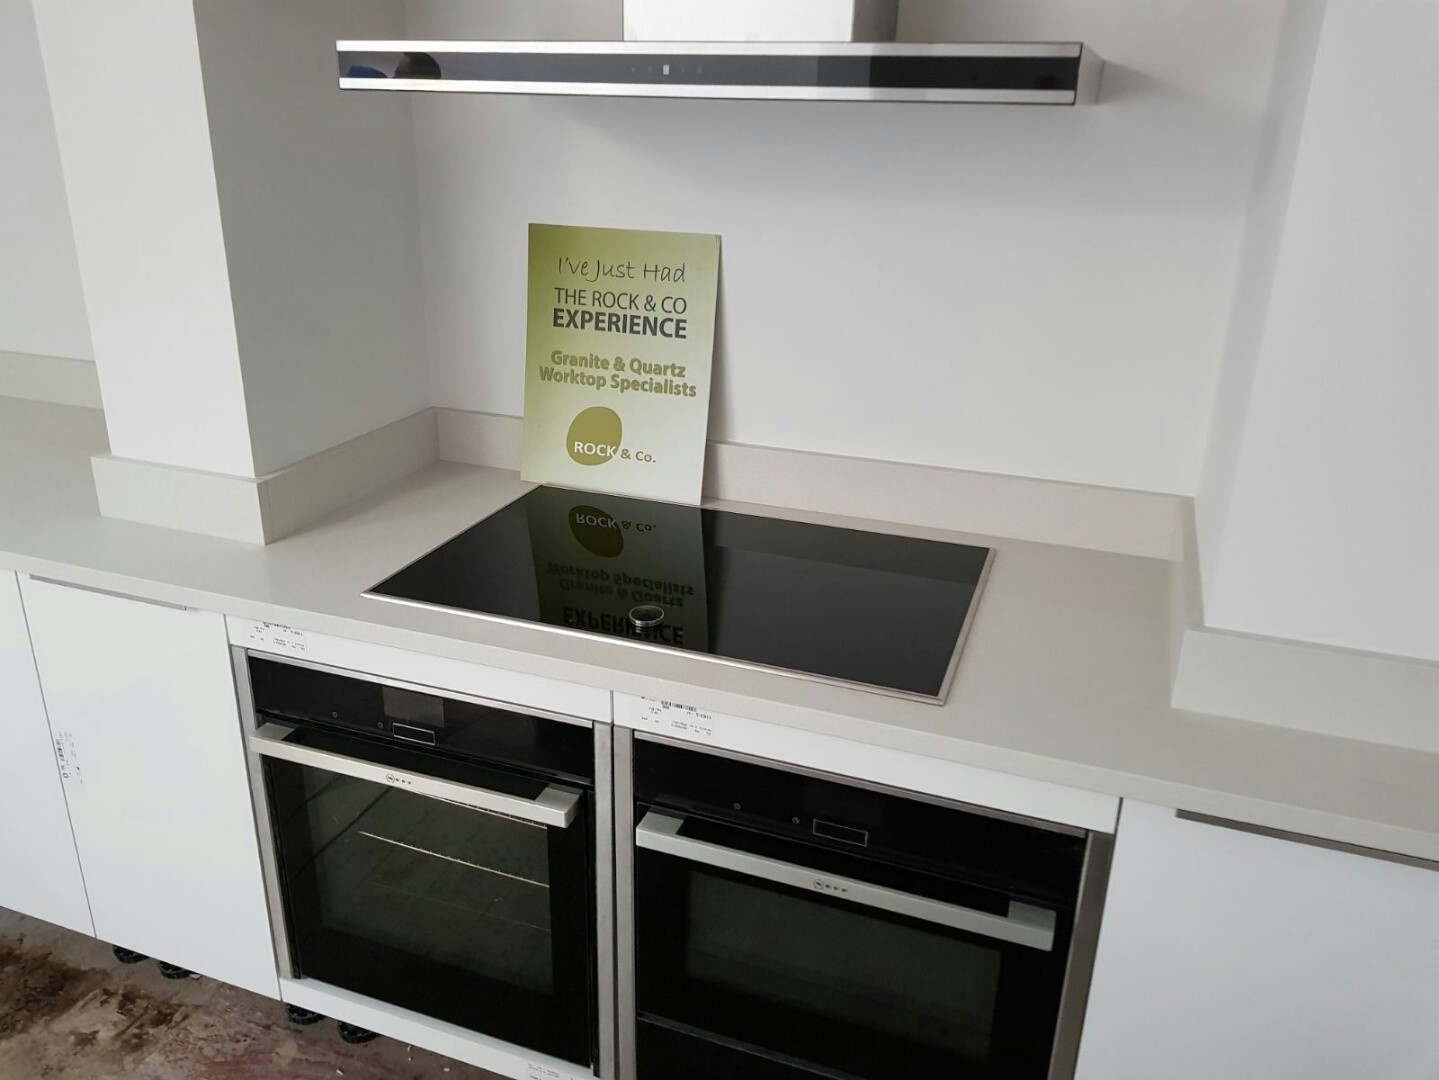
[
  {"x": 674, "y": 718},
  {"x": 277, "y": 638},
  {"x": 68, "y": 758}
]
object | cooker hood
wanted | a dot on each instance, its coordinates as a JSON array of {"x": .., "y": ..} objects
[{"x": 987, "y": 72}]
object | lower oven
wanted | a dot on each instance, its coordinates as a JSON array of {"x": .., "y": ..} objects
[
  {"x": 790, "y": 925},
  {"x": 430, "y": 852}
]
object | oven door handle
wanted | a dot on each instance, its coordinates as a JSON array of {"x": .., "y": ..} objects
[
  {"x": 1024, "y": 925},
  {"x": 554, "y": 807}
]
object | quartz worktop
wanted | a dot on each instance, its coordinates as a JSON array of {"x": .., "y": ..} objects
[{"x": 1065, "y": 676}]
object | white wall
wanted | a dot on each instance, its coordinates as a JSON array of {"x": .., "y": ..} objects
[
  {"x": 135, "y": 145},
  {"x": 320, "y": 215},
  {"x": 1268, "y": 211},
  {"x": 42, "y": 307},
  {"x": 1033, "y": 291},
  {"x": 1332, "y": 522}
]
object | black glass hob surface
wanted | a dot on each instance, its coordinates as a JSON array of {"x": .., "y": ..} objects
[{"x": 888, "y": 613}]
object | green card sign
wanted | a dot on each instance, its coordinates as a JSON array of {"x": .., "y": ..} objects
[{"x": 618, "y": 350}]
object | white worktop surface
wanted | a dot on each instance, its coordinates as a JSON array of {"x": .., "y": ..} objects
[{"x": 1064, "y": 678}]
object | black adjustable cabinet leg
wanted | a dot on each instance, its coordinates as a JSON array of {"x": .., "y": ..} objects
[
  {"x": 302, "y": 1017},
  {"x": 352, "y": 1034}
]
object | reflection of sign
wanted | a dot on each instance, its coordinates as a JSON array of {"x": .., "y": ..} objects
[
  {"x": 597, "y": 532},
  {"x": 593, "y": 567},
  {"x": 618, "y": 350}
]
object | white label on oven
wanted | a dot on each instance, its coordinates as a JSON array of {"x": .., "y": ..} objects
[
  {"x": 672, "y": 718},
  {"x": 543, "y": 1072},
  {"x": 68, "y": 758},
  {"x": 276, "y": 638}
]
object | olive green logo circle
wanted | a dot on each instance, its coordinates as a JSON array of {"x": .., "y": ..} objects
[
  {"x": 597, "y": 532},
  {"x": 594, "y": 436}
]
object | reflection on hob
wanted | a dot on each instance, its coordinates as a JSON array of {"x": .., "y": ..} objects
[{"x": 885, "y": 612}]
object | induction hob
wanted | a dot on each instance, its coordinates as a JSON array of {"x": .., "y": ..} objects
[{"x": 877, "y": 612}]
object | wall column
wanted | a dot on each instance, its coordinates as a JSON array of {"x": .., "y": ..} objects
[
  {"x": 259, "y": 363},
  {"x": 1319, "y": 520}
]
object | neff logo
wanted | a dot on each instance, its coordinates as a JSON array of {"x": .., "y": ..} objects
[{"x": 594, "y": 436}]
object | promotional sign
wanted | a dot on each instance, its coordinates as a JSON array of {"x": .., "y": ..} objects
[{"x": 618, "y": 350}]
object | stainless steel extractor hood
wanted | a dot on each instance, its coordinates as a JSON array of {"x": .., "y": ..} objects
[{"x": 989, "y": 72}]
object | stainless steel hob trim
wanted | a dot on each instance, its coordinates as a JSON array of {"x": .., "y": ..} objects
[{"x": 744, "y": 665}]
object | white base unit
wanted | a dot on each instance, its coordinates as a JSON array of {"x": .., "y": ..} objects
[
  {"x": 417, "y": 1030},
  {"x": 761, "y": 20},
  {"x": 39, "y": 870},
  {"x": 892, "y": 768},
  {"x": 1228, "y": 954},
  {"x": 142, "y": 697}
]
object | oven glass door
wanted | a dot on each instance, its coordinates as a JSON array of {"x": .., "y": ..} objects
[
  {"x": 747, "y": 973},
  {"x": 461, "y": 913}
]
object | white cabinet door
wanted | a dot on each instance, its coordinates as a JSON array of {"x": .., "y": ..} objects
[
  {"x": 39, "y": 872},
  {"x": 1225, "y": 954},
  {"x": 143, "y": 696}
]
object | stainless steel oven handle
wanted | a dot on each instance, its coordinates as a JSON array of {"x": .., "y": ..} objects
[
  {"x": 1024, "y": 925},
  {"x": 554, "y": 807}
]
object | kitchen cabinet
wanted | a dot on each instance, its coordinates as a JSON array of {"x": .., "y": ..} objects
[
  {"x": 142, "y": 706},
  {"x": 39, "y": 870},
  {"x": 1228, "y": 954}
]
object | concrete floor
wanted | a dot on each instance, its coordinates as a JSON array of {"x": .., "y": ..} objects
[{"x": 70, "y": 1011}]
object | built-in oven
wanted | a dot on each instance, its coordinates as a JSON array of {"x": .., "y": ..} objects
[
  {"x": 430, "y": 852},
  {"x": 791, "y": 925}
]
